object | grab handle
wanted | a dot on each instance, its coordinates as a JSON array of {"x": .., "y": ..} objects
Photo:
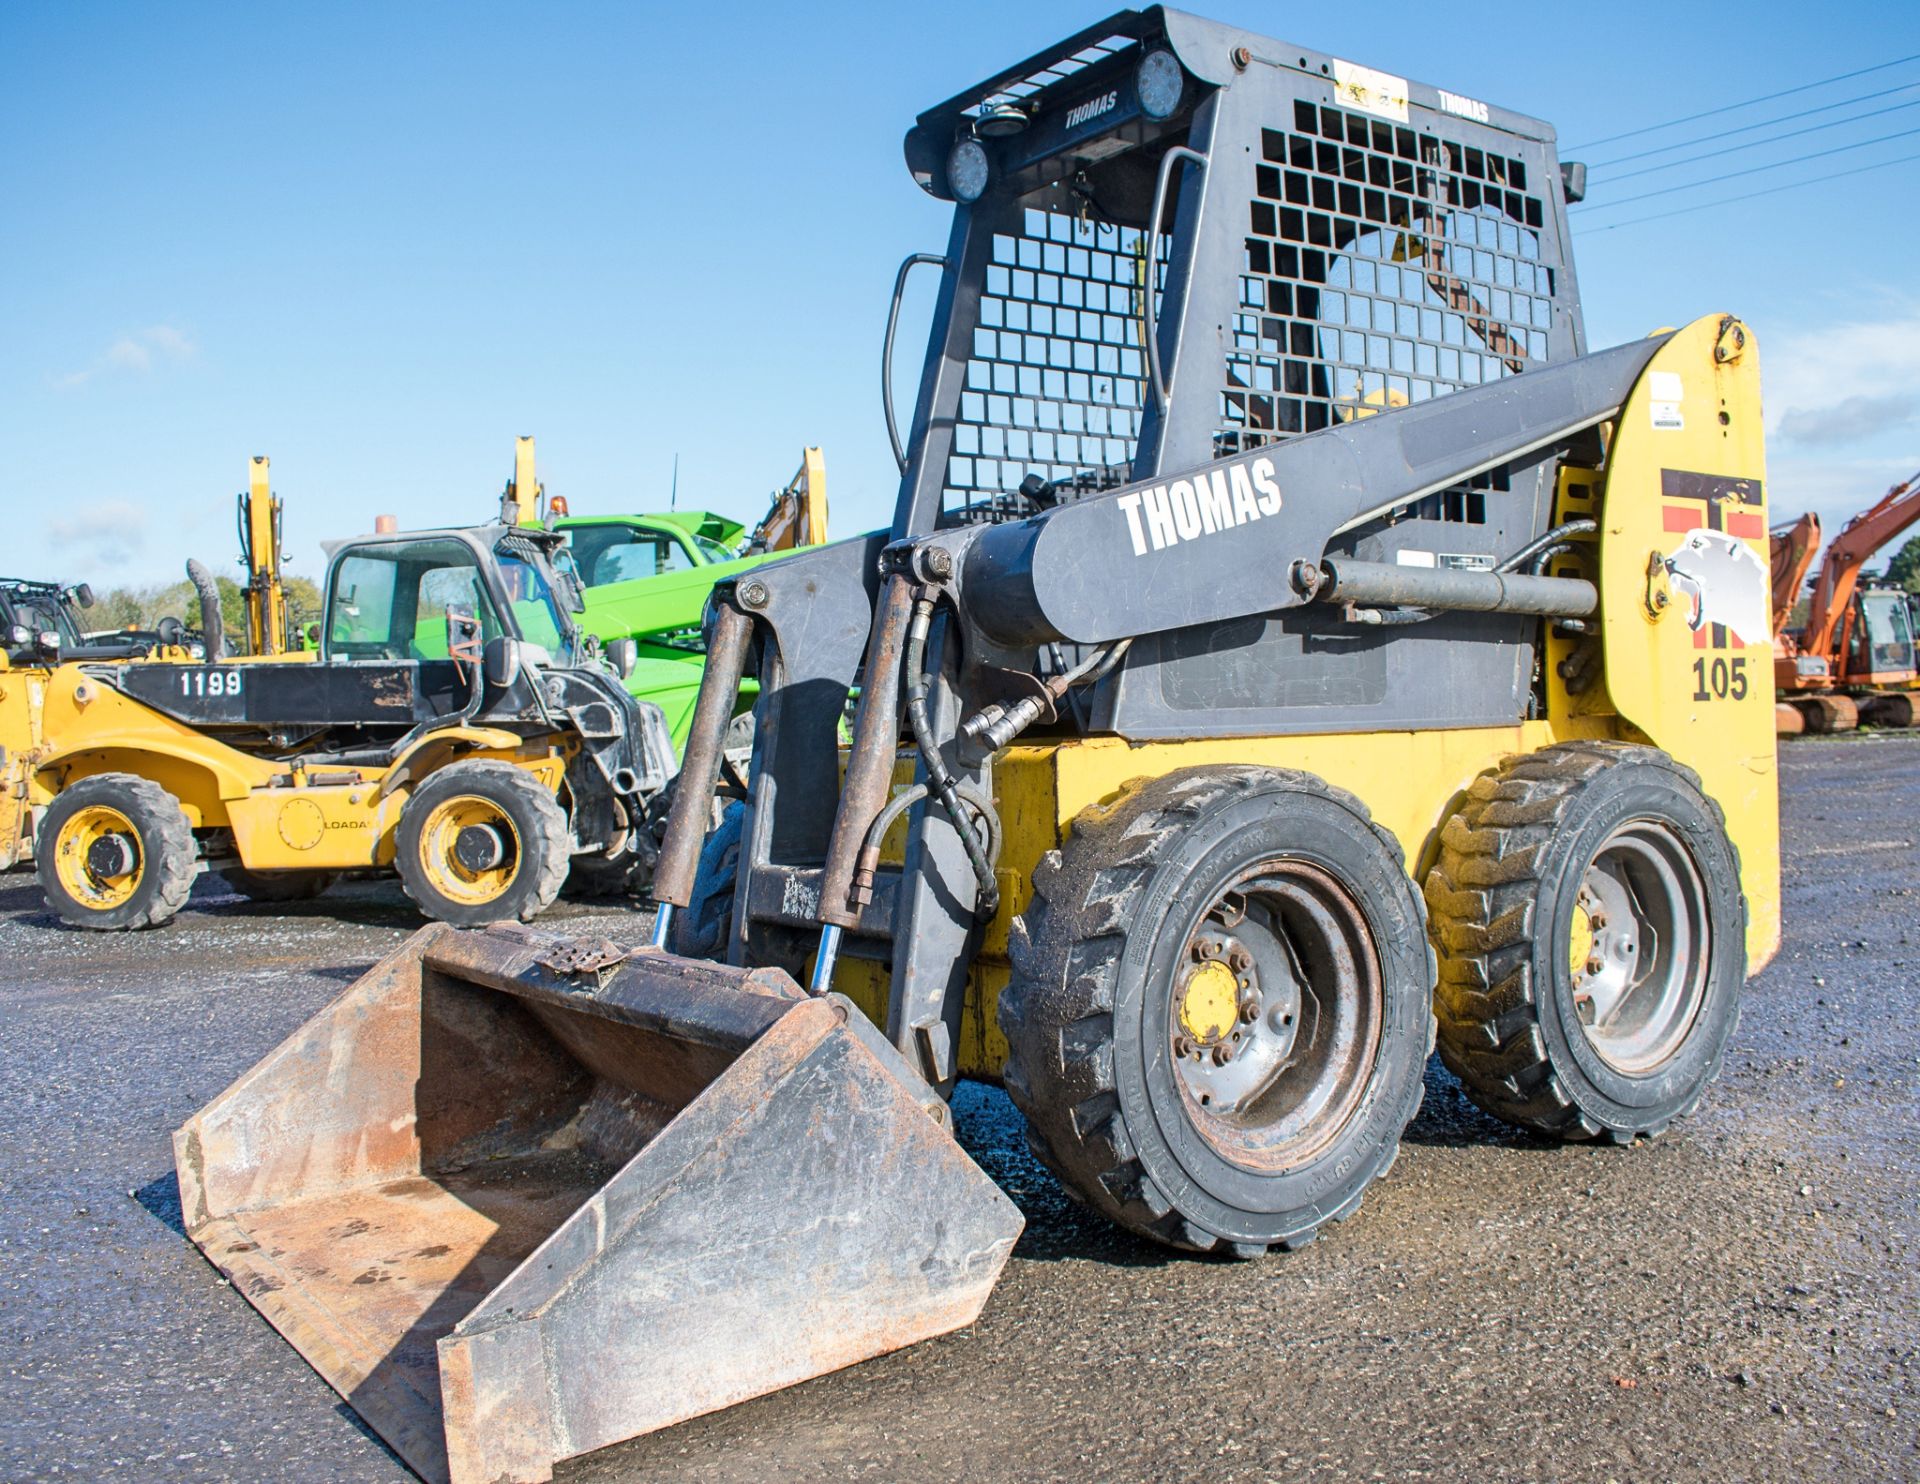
[
  {"x": 1162, "y": 391},
  {"x": 886, "y": 353}
]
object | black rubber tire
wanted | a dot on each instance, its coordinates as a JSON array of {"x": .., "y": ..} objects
[
  {"x": 699, "y": 929},
  {"x": 1502, "y": 894},
  {"x": 164, "y": 839},
  {"x": 277, "y": 886},
  {"x": 1092, "y": 972},
  {"x": 538, "y": 819}
]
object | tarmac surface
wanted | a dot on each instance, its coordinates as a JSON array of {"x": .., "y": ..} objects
[{"x": 1738, "y": 1300}]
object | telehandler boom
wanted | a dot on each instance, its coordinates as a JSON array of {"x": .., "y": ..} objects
[{"x": 1291, "y": 644}]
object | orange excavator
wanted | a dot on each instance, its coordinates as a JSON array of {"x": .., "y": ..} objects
[{"x": 1854, "y": 659}]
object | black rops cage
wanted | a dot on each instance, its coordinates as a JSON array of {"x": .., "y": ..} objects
[{"x": 1324, "y": 242}]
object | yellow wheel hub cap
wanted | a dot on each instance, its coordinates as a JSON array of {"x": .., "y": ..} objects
[
  {"x": 1580, "y": 940},
  {"x": 443, "y": 867},
  {"x": 1210, "y": 1003},
  {"x": 74, "y": 847}
]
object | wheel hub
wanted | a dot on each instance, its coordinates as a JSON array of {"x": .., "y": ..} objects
[
  {"x": 110, "y": 856},
  {"x": 479, "y": 847},
  {"x": 1238, "y": 1014},
  {"x": 1210, "y": 1003},
  {"x": 1641, "y": 919}
]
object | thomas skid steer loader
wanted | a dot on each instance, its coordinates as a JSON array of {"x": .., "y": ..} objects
[{"x": 1291, "y": 640}]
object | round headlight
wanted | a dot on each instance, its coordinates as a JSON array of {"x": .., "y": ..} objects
[
  {"x": 967, "y": 171},
  {"x": 1160, "y": 82}
]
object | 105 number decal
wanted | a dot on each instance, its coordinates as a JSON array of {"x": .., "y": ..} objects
[{"x": 1720, "y": 679}]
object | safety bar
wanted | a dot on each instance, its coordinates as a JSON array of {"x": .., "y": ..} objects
[
  {"x": 1162, "y": 389},
  {"x": 886, "y": 353}
]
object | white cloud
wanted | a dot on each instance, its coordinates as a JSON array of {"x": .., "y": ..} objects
[
  {"x": 1843, "y": 420},
  {"x": 1850, "y": 377},
  {"x": 138, "y": 353},
  {"x": 1850, "y": 420},
  {"x": 100, "y": 537},
  {"x": 1834, "y": 488}
]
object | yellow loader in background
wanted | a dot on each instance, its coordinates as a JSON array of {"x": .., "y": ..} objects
[
  {"x": 454, "y": 725},
  {"x": 1229, "y": 733}
]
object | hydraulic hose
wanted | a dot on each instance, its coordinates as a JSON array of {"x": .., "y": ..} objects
[
  {"x": 940, "y": 783},
  {"x": 1541, "y": 546}
]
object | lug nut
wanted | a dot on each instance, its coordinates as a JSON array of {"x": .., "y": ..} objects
[
  {"x": 1249, "y": 1011},
  {"x": 1595, "y": 964},
  {"x": 1222, "y": 1055}
]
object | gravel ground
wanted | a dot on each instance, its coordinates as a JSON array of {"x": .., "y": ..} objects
[{"x": 1738, "y": 1300}]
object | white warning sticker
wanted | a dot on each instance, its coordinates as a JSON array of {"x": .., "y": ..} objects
[
  {"x": 1668, "y": 391},
  {"x": 1379, "y": 93}
]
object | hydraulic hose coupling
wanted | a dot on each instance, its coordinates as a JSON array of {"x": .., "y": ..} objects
[{"x": 995, "y": 726}]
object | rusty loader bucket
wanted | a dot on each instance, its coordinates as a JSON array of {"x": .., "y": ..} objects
[{"x": 517, "y": 1199}]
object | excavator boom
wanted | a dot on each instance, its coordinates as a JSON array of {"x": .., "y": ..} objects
[
  {"x": 260, "y": 538},
  {"x": 1839, "y": 574}
]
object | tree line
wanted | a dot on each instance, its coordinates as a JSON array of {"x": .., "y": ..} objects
[{"x": 142, "y": 607}]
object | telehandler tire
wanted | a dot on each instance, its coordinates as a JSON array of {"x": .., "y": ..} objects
[
  {"x": 1220, "y": 1008},
  {"x": 1588, "y": 911},
  {"x": 482, "y": 842},
  {"x": 115, "y": 852},
  {"x": 277, "y": 886},
  {"x": 699, "y": 930}
]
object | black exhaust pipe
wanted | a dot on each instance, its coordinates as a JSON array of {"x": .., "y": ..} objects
[{"x": 210, "y": 626}]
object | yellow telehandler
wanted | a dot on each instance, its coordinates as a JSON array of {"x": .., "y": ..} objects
[
  {"x": 1293, "y": 645},
  {"x": 455, "y": 725}
]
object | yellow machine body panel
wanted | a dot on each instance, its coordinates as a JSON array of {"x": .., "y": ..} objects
[
  {"x": 1685, "y": 589},
  {"x": 282, "y": 817},
  {"x": 22, "y": 701}
]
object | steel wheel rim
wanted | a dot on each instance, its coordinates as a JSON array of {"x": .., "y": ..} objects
[
  {"x": 444, "y": 869},
  {"x": 1642, "y": 913},
  {"x": 1308, "y": 1017},
  {"x": 88, "y": 827}
]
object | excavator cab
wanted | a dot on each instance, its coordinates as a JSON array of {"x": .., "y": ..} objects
[{"x": 1291, "y": 645}]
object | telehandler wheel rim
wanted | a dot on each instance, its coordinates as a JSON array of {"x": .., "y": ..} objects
[
  {"x": 1649, "y": 947},
  {"x": 1276, "y": 1015},
  {"x": 90, "y": 829},
  {"x": 440, "y": 855}
]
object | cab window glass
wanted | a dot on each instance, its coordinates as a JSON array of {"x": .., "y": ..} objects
[
  {"x": 607, "y": 554},
  {"x": 535, "y": 612},
  {"x": 390, "y": 602}
]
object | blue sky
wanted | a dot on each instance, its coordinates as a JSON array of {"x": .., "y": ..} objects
[{"x": 376, "y": 242}]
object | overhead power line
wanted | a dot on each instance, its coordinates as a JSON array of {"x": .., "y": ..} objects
[
  {"x": 1805, "y": 87},
  {"x": 1694, "y": 185},
  {"x": 1734, "y": 149},
  {"x": 1660, "y": 216},
  {"x": 1785, "y": 118}
]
